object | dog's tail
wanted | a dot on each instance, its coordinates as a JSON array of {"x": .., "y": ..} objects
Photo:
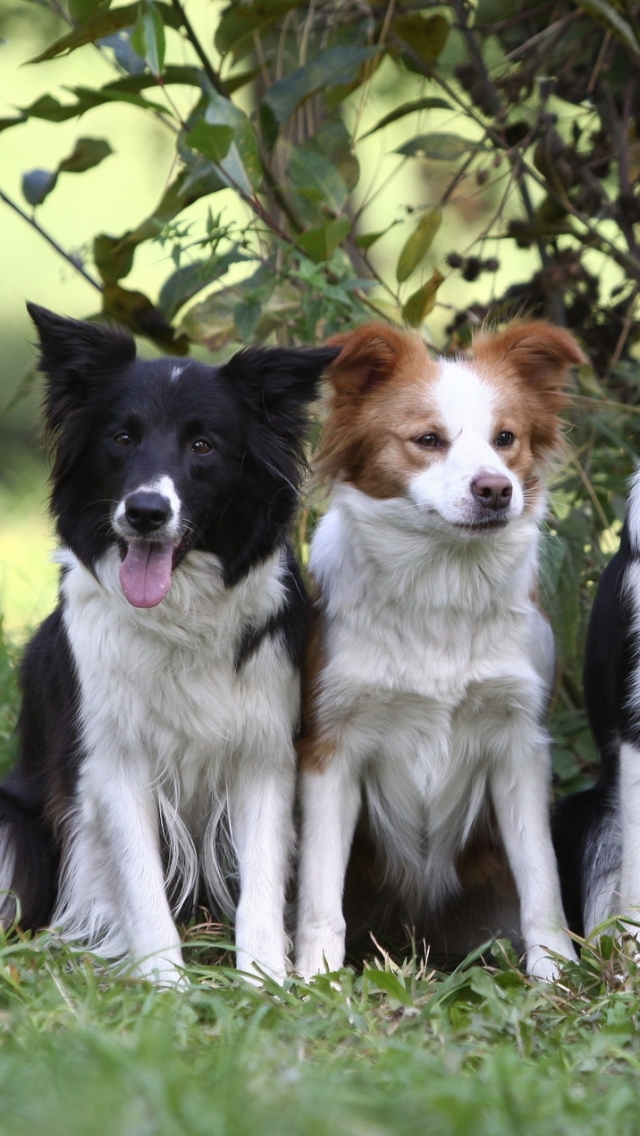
[
  {"x": 588, "y": 850},
  {"x": 28, "y": 861}
]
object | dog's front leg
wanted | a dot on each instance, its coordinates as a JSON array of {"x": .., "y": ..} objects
[
  {"x": 330, "y": 800},
  {"x": 520, "y": 794},
  {"x": 120, "y": 819},
  {"x": 261, "y": 816}
]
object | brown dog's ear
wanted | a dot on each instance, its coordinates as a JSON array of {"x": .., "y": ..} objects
[
  {"x": 538, "y": 352},
  {"x": 368, "y": 356}
]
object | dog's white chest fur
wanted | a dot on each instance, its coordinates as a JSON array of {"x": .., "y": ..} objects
[
  {"x": 438, "y": 661},
  {"x": 165, "y": 709}
]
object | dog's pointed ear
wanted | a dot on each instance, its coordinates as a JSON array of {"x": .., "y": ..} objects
[
  {"x": 539, "y": 353},
  {"x": 74, "y": 354},
  {"x": 368, "y": 356},
  {"x": 280, "y": 377}
]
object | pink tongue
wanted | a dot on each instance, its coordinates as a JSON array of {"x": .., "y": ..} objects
[{"x": 145, "y": 572}]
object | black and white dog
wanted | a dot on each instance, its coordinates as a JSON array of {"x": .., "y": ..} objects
[
  {"x": 161, "y": 696},
  {"x": 597, "y": 832}
]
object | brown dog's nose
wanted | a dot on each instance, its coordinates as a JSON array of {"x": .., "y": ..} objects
[{"x": 492, "y": 490}]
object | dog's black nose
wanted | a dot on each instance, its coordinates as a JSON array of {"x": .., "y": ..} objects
[
  {"x": 492, "y": 490},
  {"x": 146, "y": 512}
]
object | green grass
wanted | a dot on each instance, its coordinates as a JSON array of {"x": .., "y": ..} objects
[
  {"x": 483, "y": 1051},
  {"x": 396, "y": 1051}
]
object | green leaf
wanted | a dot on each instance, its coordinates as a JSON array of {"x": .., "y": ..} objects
[
  {"x": 87, "y": 153},
  {"x": 418, "y": 244},
  {"x": 102, "y": 24},
  {"x": 332, "y": 67},
  {"x": 187, "y": 76},
  {"x": 148, "y": 38},
  {"x": 246, "y": 316},
  {"x": 80, "y": 10},
  {"x": 390, "y": 984},
  {"x": 50, "y": 109},
  {"x": 621, "y": 28},
  {"x": 313, "y": 175},
  {"x": 212, "y": 141},
  {"x": 438, "y": 147},
  {"x": 333, "y": 140},
  {"x": 112, "y": 257},
  {"x": 240, "y": 162},
  {"x": 88, "y": 99},
  {"x": 421, "y": 302},
  {"x": 238, "y": 23},
  {"x": 319, "y": 243},
  {"x": 409, "y": 108},
  {"x": 186, "y": 282},
  {"x": 136, "y": 311},
  {"x": 425, "y": 38}
]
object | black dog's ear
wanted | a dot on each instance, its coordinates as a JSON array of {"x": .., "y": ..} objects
[
  {"x": 280, "y": 380},
  {"x": 72, "y": 354}
]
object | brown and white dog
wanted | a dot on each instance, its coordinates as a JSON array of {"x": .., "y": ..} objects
[{"x": 431, "y": 664}]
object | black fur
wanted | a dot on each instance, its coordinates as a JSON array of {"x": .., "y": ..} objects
[
  {"x": 585, "y": 824},
  {"x": 241, "y": 498}
]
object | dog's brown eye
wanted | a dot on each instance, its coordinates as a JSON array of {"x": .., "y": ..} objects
[
  {"x": 201, "y": 446},
  {"x": 123, "y": 439},
  {"x": 505, "y": 438},
  {"x": 429, "y": 441}
]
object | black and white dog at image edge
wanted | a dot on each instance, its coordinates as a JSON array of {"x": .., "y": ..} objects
[
  {"x": 161, "y": 697},
  {"x": 597, "y": 832}
]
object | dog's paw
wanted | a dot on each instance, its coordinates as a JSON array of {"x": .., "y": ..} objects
[
  {"x": 544, "y": 962},
  {"x": 255, "y": 972},
  {"x": 319, "y": 952}
]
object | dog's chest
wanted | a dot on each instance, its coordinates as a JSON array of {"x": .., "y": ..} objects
[{"x": 163, "y": 687}]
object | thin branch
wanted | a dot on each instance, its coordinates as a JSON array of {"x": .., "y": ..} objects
[
  {"x": 209, "y": 69},
  {"x": 73, "y": 261}
]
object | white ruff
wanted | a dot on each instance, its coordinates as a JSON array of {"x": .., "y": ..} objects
[
  {"x": 174, "y": 737},
  {"x": 438, "y": 674}
]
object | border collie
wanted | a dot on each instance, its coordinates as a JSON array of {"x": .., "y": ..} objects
[
  {"x": 431, "y": 664},
  {"x": 161, "y": 697},
  {"x": 597, "y": 832}
]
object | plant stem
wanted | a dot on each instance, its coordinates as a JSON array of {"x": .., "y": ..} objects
[
  {"x": 209, "y": 69},
  {"x": 73, "y": 261}
]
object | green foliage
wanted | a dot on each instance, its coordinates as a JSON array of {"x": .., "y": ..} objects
[
  {"x": 515, "y": 125},
  {"x": 396, "y": 1051}
]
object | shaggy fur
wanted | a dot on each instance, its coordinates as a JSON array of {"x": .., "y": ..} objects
[
  {"x": 597, "y": 832},
  {"x": 161, "y": 697},
  {"x": 430, "y": 666}
]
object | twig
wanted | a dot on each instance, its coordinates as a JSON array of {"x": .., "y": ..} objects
[
  {"x": 50, "y": 240},
  {"x": 210, "y": 72}
]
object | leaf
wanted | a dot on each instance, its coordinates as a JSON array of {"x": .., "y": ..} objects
[
  {"x": 313, "y": 175},
  {"x": 418, "y": 244},
  {"x": 246, "y": 316},
  {"x": 408, "y": 108},
  {"x": 186, "y": 282},
  {"x": 135, "y": 310},
  {"x": 87, "y": 153},
  {"x": 239, "y": 22},
  {"x": 390, "y": 984},
  {"x": 189, "y": 76},
  {"x": 125, "y": 56},
  {"x": 622, "y": 29},
  {"x": 319, "y": 243},
  {"x": 38, "y": 184},
  {"x": 102, "y": 24},
  {"x": 112, "y": 258},
  {"x": 212, "y": 141},
  {"x": 438, "y": 147},
  {"x": 334, "y": 141},
  {"x": 80, "y": 10},
  {"x": 88, "y": 99},
  {"x": 50, "y": 109},
  {"x": 425, "y": 38},
  {"x": 240, "y": 162},
  {"x": 331, "y": 67},
  {"x": 148, "y": 38},
  {"x": 421, "y": 302}
]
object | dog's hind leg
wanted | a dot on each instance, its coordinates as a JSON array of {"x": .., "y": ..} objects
[{"x": 28, "y": 862}]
